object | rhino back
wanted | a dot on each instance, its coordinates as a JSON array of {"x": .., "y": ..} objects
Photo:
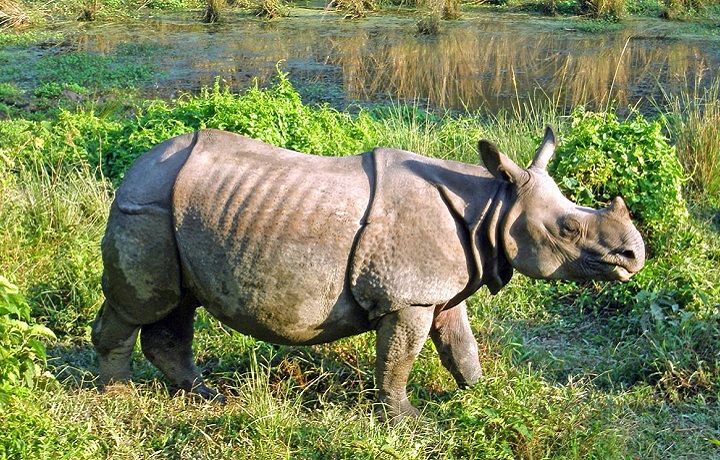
[{"x": 265, "y": 234}]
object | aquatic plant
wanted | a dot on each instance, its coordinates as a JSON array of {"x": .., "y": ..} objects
[
  {"x": 213, "y": 11},
  {"x": 272, "y": 9},
  {"x": 608, "y": 10},
  {"x": 353, "y": 9}
]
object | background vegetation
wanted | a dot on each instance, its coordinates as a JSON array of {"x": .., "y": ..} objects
[
  {"x": 593, "y": 370},
  {"x": 21, "y": 13}
]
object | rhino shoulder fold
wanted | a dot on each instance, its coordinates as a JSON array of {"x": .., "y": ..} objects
[{"x": 409, "y": 250}]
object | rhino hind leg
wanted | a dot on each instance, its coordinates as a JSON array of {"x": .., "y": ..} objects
[
  {"x": 401, "y": 335},
  {"x": 114, "y": 340},
  {"x": 168, "y": 345},
  {"x": 456, "y": 345}
]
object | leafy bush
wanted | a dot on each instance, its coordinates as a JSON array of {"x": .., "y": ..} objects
[
  {"x": 276, "y": 115},
  {"x": 603, "y": 157},
  {"x": 22, "y": 352}
]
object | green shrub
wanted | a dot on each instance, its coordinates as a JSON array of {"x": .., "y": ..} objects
[
  {"x": 22, "y": 351},
  {"x": 603, "y": 157},
  {"x": 276, "y": 115}
]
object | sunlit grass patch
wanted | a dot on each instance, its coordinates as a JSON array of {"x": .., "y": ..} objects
[{"x": 572, "y": 370}]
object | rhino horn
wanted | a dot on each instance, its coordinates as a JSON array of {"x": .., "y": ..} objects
[
  {"x": 545, "y": 151},
  {"x": 499, "y": 165}
]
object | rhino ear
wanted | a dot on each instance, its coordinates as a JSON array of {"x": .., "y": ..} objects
[
  {"x": 545, "y": 151},
  {"x": 618, "y": 208},
  {"x": 499, "y": 165}
]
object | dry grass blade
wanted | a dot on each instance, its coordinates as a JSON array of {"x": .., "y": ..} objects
[{"x": 13, "y": 15}]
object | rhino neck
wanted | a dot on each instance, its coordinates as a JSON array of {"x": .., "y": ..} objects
[
  {"x": 488, "y": 240},
  {"x": 482, "y": 212}
]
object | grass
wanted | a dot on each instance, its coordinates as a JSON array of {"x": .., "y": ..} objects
[
  {"x": 570, "y": 371},
  {"x": 696, "y": 120}
]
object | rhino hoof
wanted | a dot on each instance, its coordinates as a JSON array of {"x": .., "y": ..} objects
[
  {"x": 394, "y": 415},
  {"x": 204, "y": 393},
  {"x": 467, "y": 382}
]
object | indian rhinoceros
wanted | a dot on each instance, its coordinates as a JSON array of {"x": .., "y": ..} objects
[{"x": 300, "y": 249}]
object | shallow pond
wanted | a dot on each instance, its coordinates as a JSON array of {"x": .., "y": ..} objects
[{"x": 480, "y": 61}]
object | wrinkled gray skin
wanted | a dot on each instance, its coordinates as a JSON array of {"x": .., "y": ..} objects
[{"x": 299, "y": 249}]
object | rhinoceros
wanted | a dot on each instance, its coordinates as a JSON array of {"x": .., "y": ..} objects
[{"x": 300, "y": 249}]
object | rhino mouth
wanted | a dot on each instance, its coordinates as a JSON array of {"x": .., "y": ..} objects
[
  {"x": 620, "y": 269},
  {"x": 621, "y": 273},
  {"x": 615, "y": 267}
]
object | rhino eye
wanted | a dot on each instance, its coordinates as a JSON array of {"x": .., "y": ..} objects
[{"x": 570, "y": 228}]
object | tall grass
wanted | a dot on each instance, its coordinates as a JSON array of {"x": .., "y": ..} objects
[
  {"x": 694, "y": 119},
  {"x": 53, "y": 219},
  {"x": 570, "y": 371}
]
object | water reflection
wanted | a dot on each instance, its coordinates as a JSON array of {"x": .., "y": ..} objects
[{"x": 473, "y": 63}]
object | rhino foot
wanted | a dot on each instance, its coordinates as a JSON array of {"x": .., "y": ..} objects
[
  {"x": 393, "y": 411},
  {"x": 200, "y": 391},
  {"x": 114, "y": 340},
  {"x": 168, "y": 345}
]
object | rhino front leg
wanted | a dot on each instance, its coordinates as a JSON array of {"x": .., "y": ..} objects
[
  {"x": 456, "y": 345},
  {"x": 168, "y": 345},
  {"x": 400, "y": 337},
  {"x": 114, "y": 340}
]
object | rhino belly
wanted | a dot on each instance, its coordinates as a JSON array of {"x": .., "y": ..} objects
[{"x": 265, "y": 243}]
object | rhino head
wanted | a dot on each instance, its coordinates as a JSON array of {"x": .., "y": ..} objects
[{"x": 548, "y": 236}]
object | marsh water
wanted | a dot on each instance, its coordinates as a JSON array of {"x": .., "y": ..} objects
[{"x": 480, "y": 61}]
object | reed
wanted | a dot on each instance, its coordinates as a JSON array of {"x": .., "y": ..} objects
[
  {"x": 13, "y": 15},
  {"x": 270, "y": 9},
  {"x": 608, "y": 10},
  {"x": 694, "y": 119},
  {"x": 213, "y": 11}
]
